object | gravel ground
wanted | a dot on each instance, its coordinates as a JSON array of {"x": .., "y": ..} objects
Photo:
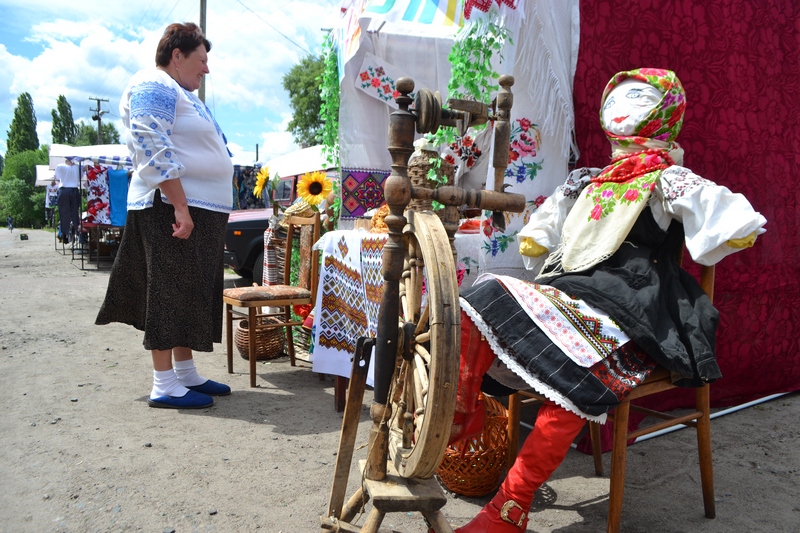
[{"x": 80, "y": 450}]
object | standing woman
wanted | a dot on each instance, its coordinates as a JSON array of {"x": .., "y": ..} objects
[{"x": 168, "y": 275}]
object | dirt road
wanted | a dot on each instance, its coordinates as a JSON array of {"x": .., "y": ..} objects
[{"x": 80, "y": 451}]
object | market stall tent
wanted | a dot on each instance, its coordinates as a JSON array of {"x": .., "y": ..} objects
[{"x": 112, "y": 155}]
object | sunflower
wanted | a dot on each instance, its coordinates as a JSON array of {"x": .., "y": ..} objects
[
  {"x": 314, "y": 187},
  {"x": 261, "y": 180}
]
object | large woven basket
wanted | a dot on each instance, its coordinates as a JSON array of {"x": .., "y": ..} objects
[
  {"x": 269, "y": 342},
  {"x": 474, "y": 467}
]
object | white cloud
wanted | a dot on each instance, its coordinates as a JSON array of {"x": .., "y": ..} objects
[{"x": 92, "y": 49}]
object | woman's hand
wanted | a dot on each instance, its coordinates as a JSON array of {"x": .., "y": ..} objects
[{"x": 183, "y": 226}]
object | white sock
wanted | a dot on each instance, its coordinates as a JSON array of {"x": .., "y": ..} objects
[
  {"x": 187, "y": 373},
  {"x": 165, "y": 383}
]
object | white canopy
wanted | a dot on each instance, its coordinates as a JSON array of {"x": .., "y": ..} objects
[
  {"x": 298, "y": 162},
  {"x": 104, "y": 154}
]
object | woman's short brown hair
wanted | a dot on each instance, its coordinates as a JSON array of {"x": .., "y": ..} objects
[{"x": 185, "y": 37}]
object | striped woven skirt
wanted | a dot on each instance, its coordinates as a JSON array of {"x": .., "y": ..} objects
[{"x": 555, "y": 345}]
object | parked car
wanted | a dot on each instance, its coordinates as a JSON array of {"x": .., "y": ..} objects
[
  {"x": 244, "y": 242},
  {"x": 244, "y": 237}
]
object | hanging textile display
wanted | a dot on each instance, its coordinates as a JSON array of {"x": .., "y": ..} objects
[
  {"x": 97, "y": 201},
  {"x": 377, "y": 78},
  {"x": 362, "y": 190},
  {"x": 118, "y": 182}
]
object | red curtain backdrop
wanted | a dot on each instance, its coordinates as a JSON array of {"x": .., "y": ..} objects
[{"x": 738, "y": 61}]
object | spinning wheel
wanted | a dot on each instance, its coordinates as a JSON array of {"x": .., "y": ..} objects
[
  {"x": 417, "y": 346},
  {"x": 424, "y": 384}
]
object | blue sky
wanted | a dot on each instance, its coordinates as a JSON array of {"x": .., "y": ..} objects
[{"x": 90, "y": 48}]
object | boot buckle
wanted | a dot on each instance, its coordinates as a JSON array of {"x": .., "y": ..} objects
[{"x": 507, "y": 508}]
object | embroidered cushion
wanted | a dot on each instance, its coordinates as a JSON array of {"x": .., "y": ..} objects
[{"x": 272, "y": 292}]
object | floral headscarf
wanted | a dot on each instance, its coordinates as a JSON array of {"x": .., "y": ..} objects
[
  {"x": 608, "y": 207},
  {"x": 665, "y": 121}
]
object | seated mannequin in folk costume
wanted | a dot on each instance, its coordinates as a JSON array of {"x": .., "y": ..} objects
[{"x": 611, "y": 302}]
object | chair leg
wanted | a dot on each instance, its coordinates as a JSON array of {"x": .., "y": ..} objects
[
  {"x": 251, "y": 337},
  {"x": 597, "y": 447},
  {"x": 289, "y": 338},
  {"x": 514, "y": 407},
  {"x": 618, "y": 459},
  {"x": 229, "y": 335},
  {"x": 704, "y": 449}
]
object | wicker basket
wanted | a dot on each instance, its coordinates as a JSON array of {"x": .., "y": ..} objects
[
  {"x": 478, "y": 470},
  {"x": 269, "y": 342},
  {"x": 418, "y": 168}
]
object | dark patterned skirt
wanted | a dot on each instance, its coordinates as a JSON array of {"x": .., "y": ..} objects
[
  {"x": 527, "y": 352},
  {"x": 167, "y": 287}
]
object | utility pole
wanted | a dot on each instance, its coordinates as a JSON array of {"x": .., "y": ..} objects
[
  {"x": 98, "y": 114},
  {"x": 201, "y": 93}
]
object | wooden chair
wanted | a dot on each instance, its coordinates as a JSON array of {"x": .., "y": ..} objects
[
  {"x": 283, "y": 297},
  {"x": 658, "y": 381}
]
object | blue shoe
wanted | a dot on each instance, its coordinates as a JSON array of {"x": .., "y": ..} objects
[
  {"x": 212, "y": 388},
  {"x": 192, "y": 400}
]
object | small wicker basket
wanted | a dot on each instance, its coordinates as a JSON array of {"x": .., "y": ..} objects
[
  {"x": 418, "y": 168},
  {"x": 474, "y": 467},
  {"x": 269, "y": 342}
]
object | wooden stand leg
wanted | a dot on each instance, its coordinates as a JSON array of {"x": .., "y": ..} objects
[
  {"x": 229, "y": 335},
  {"x": 251, "y": 349},
  {"x": 437, "y": 522},
  {"x": 352, "y": 414},
  {"x": 618, "y": 460},
  {"x": 514, "y": 415},
  {"x": 373, "y": 523},
  {"x": 597, "y": 447},
  {"x": 704, "y": 450},
  {"x": 340, "y": 393}
]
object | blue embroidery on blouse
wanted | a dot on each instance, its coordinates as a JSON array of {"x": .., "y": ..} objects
[
  {"x": 154, "y": 99},
  {"x": 204, "y": 112},
  {"x": 207, "y": 205}
]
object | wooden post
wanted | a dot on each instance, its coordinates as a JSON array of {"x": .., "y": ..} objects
[{"x": 397, "y": 191}]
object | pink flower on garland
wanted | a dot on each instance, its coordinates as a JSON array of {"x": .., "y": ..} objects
[
  {"x": 525, "y": 124},
  {"x": 597, "y": 212}
]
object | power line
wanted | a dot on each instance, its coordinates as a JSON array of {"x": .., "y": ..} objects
[{"x": 274, "y": 28}]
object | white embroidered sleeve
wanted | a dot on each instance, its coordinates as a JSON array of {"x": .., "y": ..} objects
[
  {"x": 711, "y": 214},
  {"x": 153, "y": 108},
  {"x": 546, "y": 223}
]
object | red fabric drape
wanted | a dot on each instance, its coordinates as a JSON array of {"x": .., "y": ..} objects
[{"x": 738, "y": 61}]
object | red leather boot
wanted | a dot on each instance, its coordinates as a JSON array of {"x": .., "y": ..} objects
[
  {"x": 476, "y": 358},
  {"x": 544, "y": 449}
]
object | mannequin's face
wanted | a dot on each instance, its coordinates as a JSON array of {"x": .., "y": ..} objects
[{"x": 627, "y": 105}]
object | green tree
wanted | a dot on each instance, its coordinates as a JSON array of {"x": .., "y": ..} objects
[
  {"x": 64, "y": 130},
  {"x": 303, "y": 83},
  {"x": 2, "y": 164},
  {"x": 22, "y": 134},
  {"x": 18, "y": 196},
  {"x": 110, "y": 133},
  {"x": 87, "y": 134}
]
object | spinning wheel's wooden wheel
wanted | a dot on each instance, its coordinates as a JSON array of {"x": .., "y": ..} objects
[{"x": 426, "y": 372}]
